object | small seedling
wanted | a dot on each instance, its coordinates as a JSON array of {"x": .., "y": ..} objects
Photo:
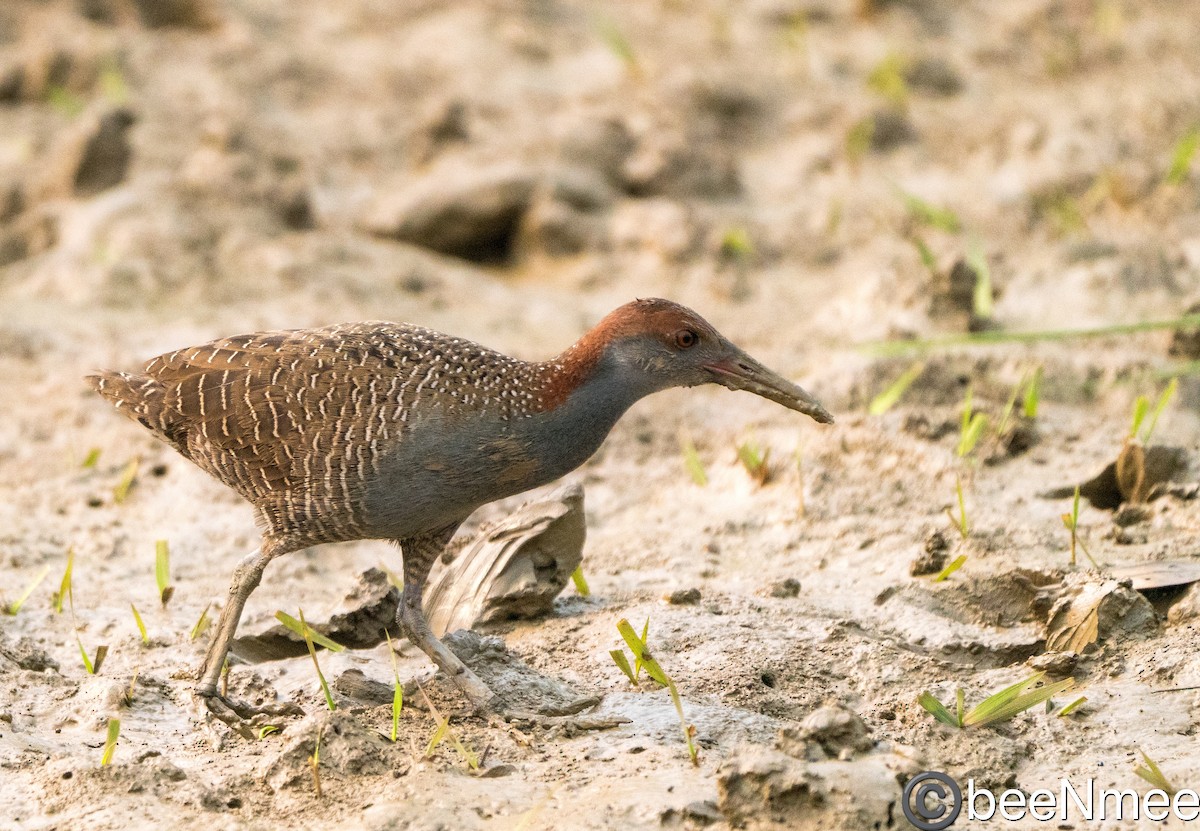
[
  {"x": 162, "y": 572},
  {"x": 691, "y": 460},
  {"x": 640, "y": 651},
  {"x": 755, "y": 460},
  {"x": 266, "y": 730},
  {"x": 887, "y": 80},
  {"x": 634, "y": 672},
  {"x": 308, "y": 634},
  {"x": 15, "y": 606},
  {"x": 1033, "y": 394},
  {"x": 443, "y": 731},
  {"x": 1001, "y": 706},
  {"x": 620, "y": 46},
  {"x": 314, "y": 764},
  {"x": 926, "y": 255},
  {"x": 1152, "y": 774},
  {"x": 1071, "y": 523},
  {"x": 971, "y": 428},
  {"x": 887, "y": 399},
  {"x": 953, "y": 566},
  {"x": 960, "y": 522},
  {"x": 92, "y": 665},
  {"x": 127, "y": 480},
  {"x": 300, "y": 628},
  {"x": 581, "y": 583},
  {"x": 64, "y": 586},
  {"x": 929, "y": 214},
  {"x": 110, "y": 744},
  {"x": 1072, "y": 707},
  {"x": 91, "y": 459},
  {"x": 1181, "y": 158},
  {"x": 397, "y": 689},
  {"x": 1141, "y": 407},
  {"x": 201, "y": 623},
  {"x": 736, "y": 244},
  {"x": 132, "y": 685},
  {"x": 141, "y": 626},
  {"x": 981, "y": 296}
]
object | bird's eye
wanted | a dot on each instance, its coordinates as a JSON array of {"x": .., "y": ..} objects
[{"x": 686, "y": 338}]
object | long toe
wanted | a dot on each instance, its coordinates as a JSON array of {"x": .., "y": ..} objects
[{"x": 248, "y": 719}]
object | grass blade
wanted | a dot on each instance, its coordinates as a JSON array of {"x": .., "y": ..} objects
[
  {"x": 110, "y": 744},
  {"x": 307, "y": 632},
  {"x": 755, "y": 460},
  {"x": 1163, "y": 401},
  {"x": 301, "y": 628},
  {"x": 64, "y": 587},
  {"x": 126, "y": 481},
  {"x": 887, "y": 399},
  {"x": 1033, "y": 394},
  {"x": 1013, "y": 700},
  {"x": 937, "y": 709},
  {"x": 162, "y": 571},
  {"x": 981, "y": 295},
  {"x": 201, "y": 624},
  {"x": 1181, "y": 158},
  {"x": 1070, "y": 708},
  {"x": 91, "y": 459},
  {"x": 137, "y": 618},
  {"x": 691, "y": 460},
  {"x": 929, "y": 214},
  {"x": 15, "y": 606},
  {"x": 314, "y": 763},
  {"x": 1152, "y": 774},
  {"x": 618, "y": 656},
  {"x": 581, "y": 583},
  {"x": 953, "y": 566},
  {"x": 266, "y": 730},
  {"x": 638, "y": 647},
  {"x": 397, "y": 689}
]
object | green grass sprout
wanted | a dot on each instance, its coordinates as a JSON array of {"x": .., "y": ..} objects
[
  {"x": 91, "y": 459},
  {"x": 91, "y": 665},
  {"x": 201, "y": 623},
  {"x": 1033, "y": 395},
  {"x": 301, "y": 628},
  {"x": 162, "y": 571},
  {"x": 307, "y": 632},
  {"x": 1154, "y": 775},
  {"x": 314, "y": 764},
  {"x": 141, "y": 626},
  {"x": 1181, "y": 157},
  {"x": 886, "y": 80},
  {"x": 960, "y": 522},
  {"x": 929, "y": 214},
  {"x": 1001, "y": 706},
  {"x": 580, "y": 581},
  {"x": 755, "y": 460},
  {"x": 953, "y": 566},
  {"x": 443, "y": 732},
  {"x": 266, "y": 730},
  {"x": 736, "y": 244},
  {"x": 691, "y": 460},
  {"x": 891, "y": 396},
  {"x": 64, "y": 586},
  {"x": 1163, "y": 400},
  {"x": 1072, "y": 707},
  {"x": 15, "y": 606},
  {"x": 127, "y": 480},
  {"x": 981, "y": 295},
  {"x": 110, "y": 743},
  {"x": 971, "y": 428},
  {"x": 926, "y": 255},
  {"x": 397, "y": 689},
  {"x": 640, "y": 651},
  {"x": 618, "y": 656},
  {"x": 1071, "y": 523}
]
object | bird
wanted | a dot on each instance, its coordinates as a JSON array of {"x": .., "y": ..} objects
[{"x": 392, "y": 431}]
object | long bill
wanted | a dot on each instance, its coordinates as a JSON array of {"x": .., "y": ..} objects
[{"x": 741, "y": 372}]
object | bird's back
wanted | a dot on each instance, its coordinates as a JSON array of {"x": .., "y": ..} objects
[{"x": 299, "y": 422}]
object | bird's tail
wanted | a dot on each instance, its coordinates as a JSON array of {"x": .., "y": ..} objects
[{"x": 139, "y": 397}]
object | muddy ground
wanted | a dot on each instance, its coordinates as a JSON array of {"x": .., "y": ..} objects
[{"x": 509, "y": 171}]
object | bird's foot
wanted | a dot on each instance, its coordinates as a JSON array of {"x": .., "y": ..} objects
[
  {"x": 247, "y": 719},
  {"x": 562, "y": 718}
]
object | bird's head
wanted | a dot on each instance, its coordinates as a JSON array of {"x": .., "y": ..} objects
[{"x": 657, "y": 344}]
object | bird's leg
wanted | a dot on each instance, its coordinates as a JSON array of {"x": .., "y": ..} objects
[
  {"x": 419, "y": 555},
  {"x": 246, "y": 578}
]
